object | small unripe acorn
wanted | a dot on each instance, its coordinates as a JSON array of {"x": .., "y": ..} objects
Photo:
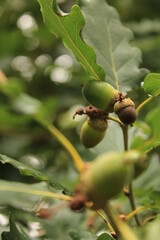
[
  {"x": 93, "y": 131},
  {"x": 125, "y": 109},
  {"x": 106, "y": 177},
  {"x": 100, "y": 94},
  {"x": 138, "y": 159}
]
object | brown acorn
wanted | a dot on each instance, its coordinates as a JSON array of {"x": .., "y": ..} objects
[{"x": 125, "y": 109}]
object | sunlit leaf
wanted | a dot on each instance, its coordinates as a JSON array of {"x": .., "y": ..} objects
[
  {"x": 152, "y": 84},
  {"x": 68, "y": 28},
  {"x": 110, "y": 39}
]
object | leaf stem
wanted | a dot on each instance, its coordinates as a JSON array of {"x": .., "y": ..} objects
[
  {"x": 36, "y": 192},
  {"x": 133, "y": 213},
  {"x": 111, "y": 229},
  {"x": 142, "y": 104},
  {"x": 65, "y": 143},
  {"x": 122, "y": 227},
  {"x": 125, "y": 136},
  {"x": 132, "y": 202},
  {"x": 115, "y": 120},
  {"x": 130, "y": 194}
]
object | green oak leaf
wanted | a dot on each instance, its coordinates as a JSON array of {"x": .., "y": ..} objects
[
  {"x": 105, "y": 236},
  {"x": 111, "y": 40},
  {"x": 68, "y": 27},
  {"x": 23, "y": 196},
  {"x": 28, "y": 171},
  {"x": 152, "y": 84}
]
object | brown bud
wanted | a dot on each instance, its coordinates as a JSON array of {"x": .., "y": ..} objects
[
  {"x": 44, "y": 213},
  {"x": 78, "y": 202},
  {"x": 125, "y": 110},
  {"x": 122, "y": 217}
]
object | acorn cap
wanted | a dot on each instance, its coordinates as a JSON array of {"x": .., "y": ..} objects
[
  {"x": 126, "y": 102},
  {"x": 113, "y": 101},
  {"x": 98, "y": 124}
]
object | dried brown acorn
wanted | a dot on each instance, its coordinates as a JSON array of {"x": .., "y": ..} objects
[{"x": 125, "y": 109}]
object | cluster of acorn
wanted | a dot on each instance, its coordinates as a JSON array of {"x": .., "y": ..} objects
[
  {"x": 104, "y": 100},
  {"x": 105, "y": 177}
]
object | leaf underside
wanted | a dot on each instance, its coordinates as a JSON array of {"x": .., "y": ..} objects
[{"x": 111, "y": 41}]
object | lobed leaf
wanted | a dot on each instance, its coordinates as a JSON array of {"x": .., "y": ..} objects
[
  {"x": 152, "y": 84},
  {"x": 28, "y": 171},
  {"x": 111, "y": 41},
  {"x": 68, "y": 28}
]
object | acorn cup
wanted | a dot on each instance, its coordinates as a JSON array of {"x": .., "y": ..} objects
[
  {"x": 100, "y": 94},
  {"x": 93, "y": 131},
  {"x": 125, "y": 109}
]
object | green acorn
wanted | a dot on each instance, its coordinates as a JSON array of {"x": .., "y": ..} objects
[
  {"x": 93, "y": 131},
  {"x": 107, "y": 175},
  {"x": 141, "y": 166},
  {"x": 100, "y": 94}
]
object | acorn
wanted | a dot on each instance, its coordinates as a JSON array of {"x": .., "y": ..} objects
[
  {"x": 141, "y": 166},
  {"x": 107, "y": 175},
  {"x": 93, "y": 131},
  {"x": 125, "y": 109},
  {"x": 100, "y": 94}
]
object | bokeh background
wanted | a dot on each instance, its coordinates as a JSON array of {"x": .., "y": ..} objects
[{"x": 38, "y": 62}]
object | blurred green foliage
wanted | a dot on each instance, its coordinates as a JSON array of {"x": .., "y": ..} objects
[{"x": 37, "y": 63}]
